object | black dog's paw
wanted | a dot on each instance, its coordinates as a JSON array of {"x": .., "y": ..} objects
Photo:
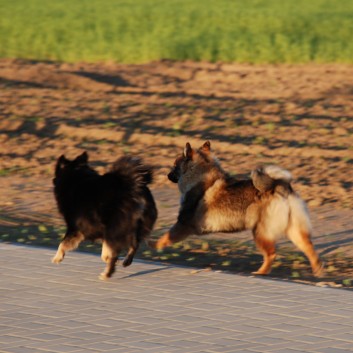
[{"x": 127, "y": 261}]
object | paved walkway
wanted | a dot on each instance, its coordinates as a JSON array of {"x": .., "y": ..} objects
[{"x": 155, "y": 308}]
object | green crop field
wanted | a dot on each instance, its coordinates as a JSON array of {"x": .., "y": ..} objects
[{"x": 135, "y": 31}]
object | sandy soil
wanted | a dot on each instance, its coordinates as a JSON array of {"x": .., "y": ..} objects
[{"x": 300, "y": 117}]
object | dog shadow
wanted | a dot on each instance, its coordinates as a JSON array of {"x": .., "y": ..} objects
[
  {"x": 146, "y": 272},
  {"x": 330, "y": 246}
]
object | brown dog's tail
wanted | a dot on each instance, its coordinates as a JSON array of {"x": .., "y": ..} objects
[
  {"x": 272, "y": 178},
  {"x": 134, "y": 169}
]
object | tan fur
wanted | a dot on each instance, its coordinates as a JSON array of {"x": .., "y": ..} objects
[
  {"x": 215, "y": 217},
  {"x": 213, "y": 202},
  {"x": 106, "y": 252},
  {"x": 109, "y": 256},
  {"x": 67, "y": 245}
]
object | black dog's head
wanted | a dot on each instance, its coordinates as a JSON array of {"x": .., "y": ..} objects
[{"x": 65, "y": 166}]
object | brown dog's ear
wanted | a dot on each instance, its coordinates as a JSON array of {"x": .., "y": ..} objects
[
  {"x": 82, "y": 158},
  {"x": 188, "y": 152},
  {"x": 206, "y": 147}
]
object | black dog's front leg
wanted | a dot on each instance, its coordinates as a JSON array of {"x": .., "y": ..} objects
[{"x": 71, "y": 241}]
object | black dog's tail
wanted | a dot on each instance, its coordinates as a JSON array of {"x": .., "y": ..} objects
[
  {"x": 272, "y": 178},
  {"x": 133, "y": 168}
]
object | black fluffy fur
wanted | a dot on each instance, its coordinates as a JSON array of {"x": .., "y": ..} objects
[{"x": 116, "y": 207}]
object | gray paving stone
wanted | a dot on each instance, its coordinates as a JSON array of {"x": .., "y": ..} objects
[
  {"x": 343, "y": 336},
  {"x": 285, "y": 350},
  {"x": 63, "y": 348},
  {"x": 334, "y": 350},
  {"x": 22, "y": 349},
  {"x": 149, "y": 307}
]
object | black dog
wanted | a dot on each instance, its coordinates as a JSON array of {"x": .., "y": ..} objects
[{"x": 117, "y": 207}]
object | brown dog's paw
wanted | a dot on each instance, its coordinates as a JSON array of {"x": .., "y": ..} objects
[
  {"x": 161, "y": 243},
  {"x": 57, "y": 258},
  {"x": 259, "y": 273},
  {"x": 319, "y": 270}
]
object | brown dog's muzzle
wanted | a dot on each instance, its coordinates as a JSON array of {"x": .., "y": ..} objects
[
  {"x": 173, "y": 176},
  {"x": 175, "y": 172}
]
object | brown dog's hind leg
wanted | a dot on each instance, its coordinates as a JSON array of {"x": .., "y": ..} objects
[
  {"x": 302, "y": 240},
  {"x": 175, "y": 234},
  {"x": 71, "y": 241},
  {"x": 268, "y": 250}
]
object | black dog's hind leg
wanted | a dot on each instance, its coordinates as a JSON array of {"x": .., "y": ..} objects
[
  {"x": 71, "y": 241},
  {"x": 144, "y": 228},
  {"x": 110, "y": 257},
  {"x": 134, "y": 245},
  {"x": 130, "y": 255},
  {"x": 106, "y": 252}
]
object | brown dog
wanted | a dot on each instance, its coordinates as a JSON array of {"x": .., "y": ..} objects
[{"x": 213, "y": 201}]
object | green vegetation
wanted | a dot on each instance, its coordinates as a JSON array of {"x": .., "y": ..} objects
[
  {"x": 199, "y": 253},
  {"x": 12, "y": 170},
  {"x": 134, "y": 31}
]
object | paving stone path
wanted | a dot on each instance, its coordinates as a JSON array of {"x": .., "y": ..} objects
[{"x": 150, "y": 307}]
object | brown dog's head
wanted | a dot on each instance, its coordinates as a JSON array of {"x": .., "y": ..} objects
[
  {"x": 175, "y": 173},
  {"x": 191, "y": 164}
]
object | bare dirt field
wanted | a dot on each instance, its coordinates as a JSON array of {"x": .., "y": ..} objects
[{"x": 299, "y": 117}]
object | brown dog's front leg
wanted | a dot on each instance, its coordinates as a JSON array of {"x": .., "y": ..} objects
[{"x": 175, "y": 234}]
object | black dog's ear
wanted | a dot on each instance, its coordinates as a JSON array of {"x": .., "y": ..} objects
[
  {"x": 61, "y": 163},
  {"x": 82, "y": 158},
  {"x": 206, "y": 147},
  {"x": 62, "y": 160},
  {"x": 188, "y": 151}
]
